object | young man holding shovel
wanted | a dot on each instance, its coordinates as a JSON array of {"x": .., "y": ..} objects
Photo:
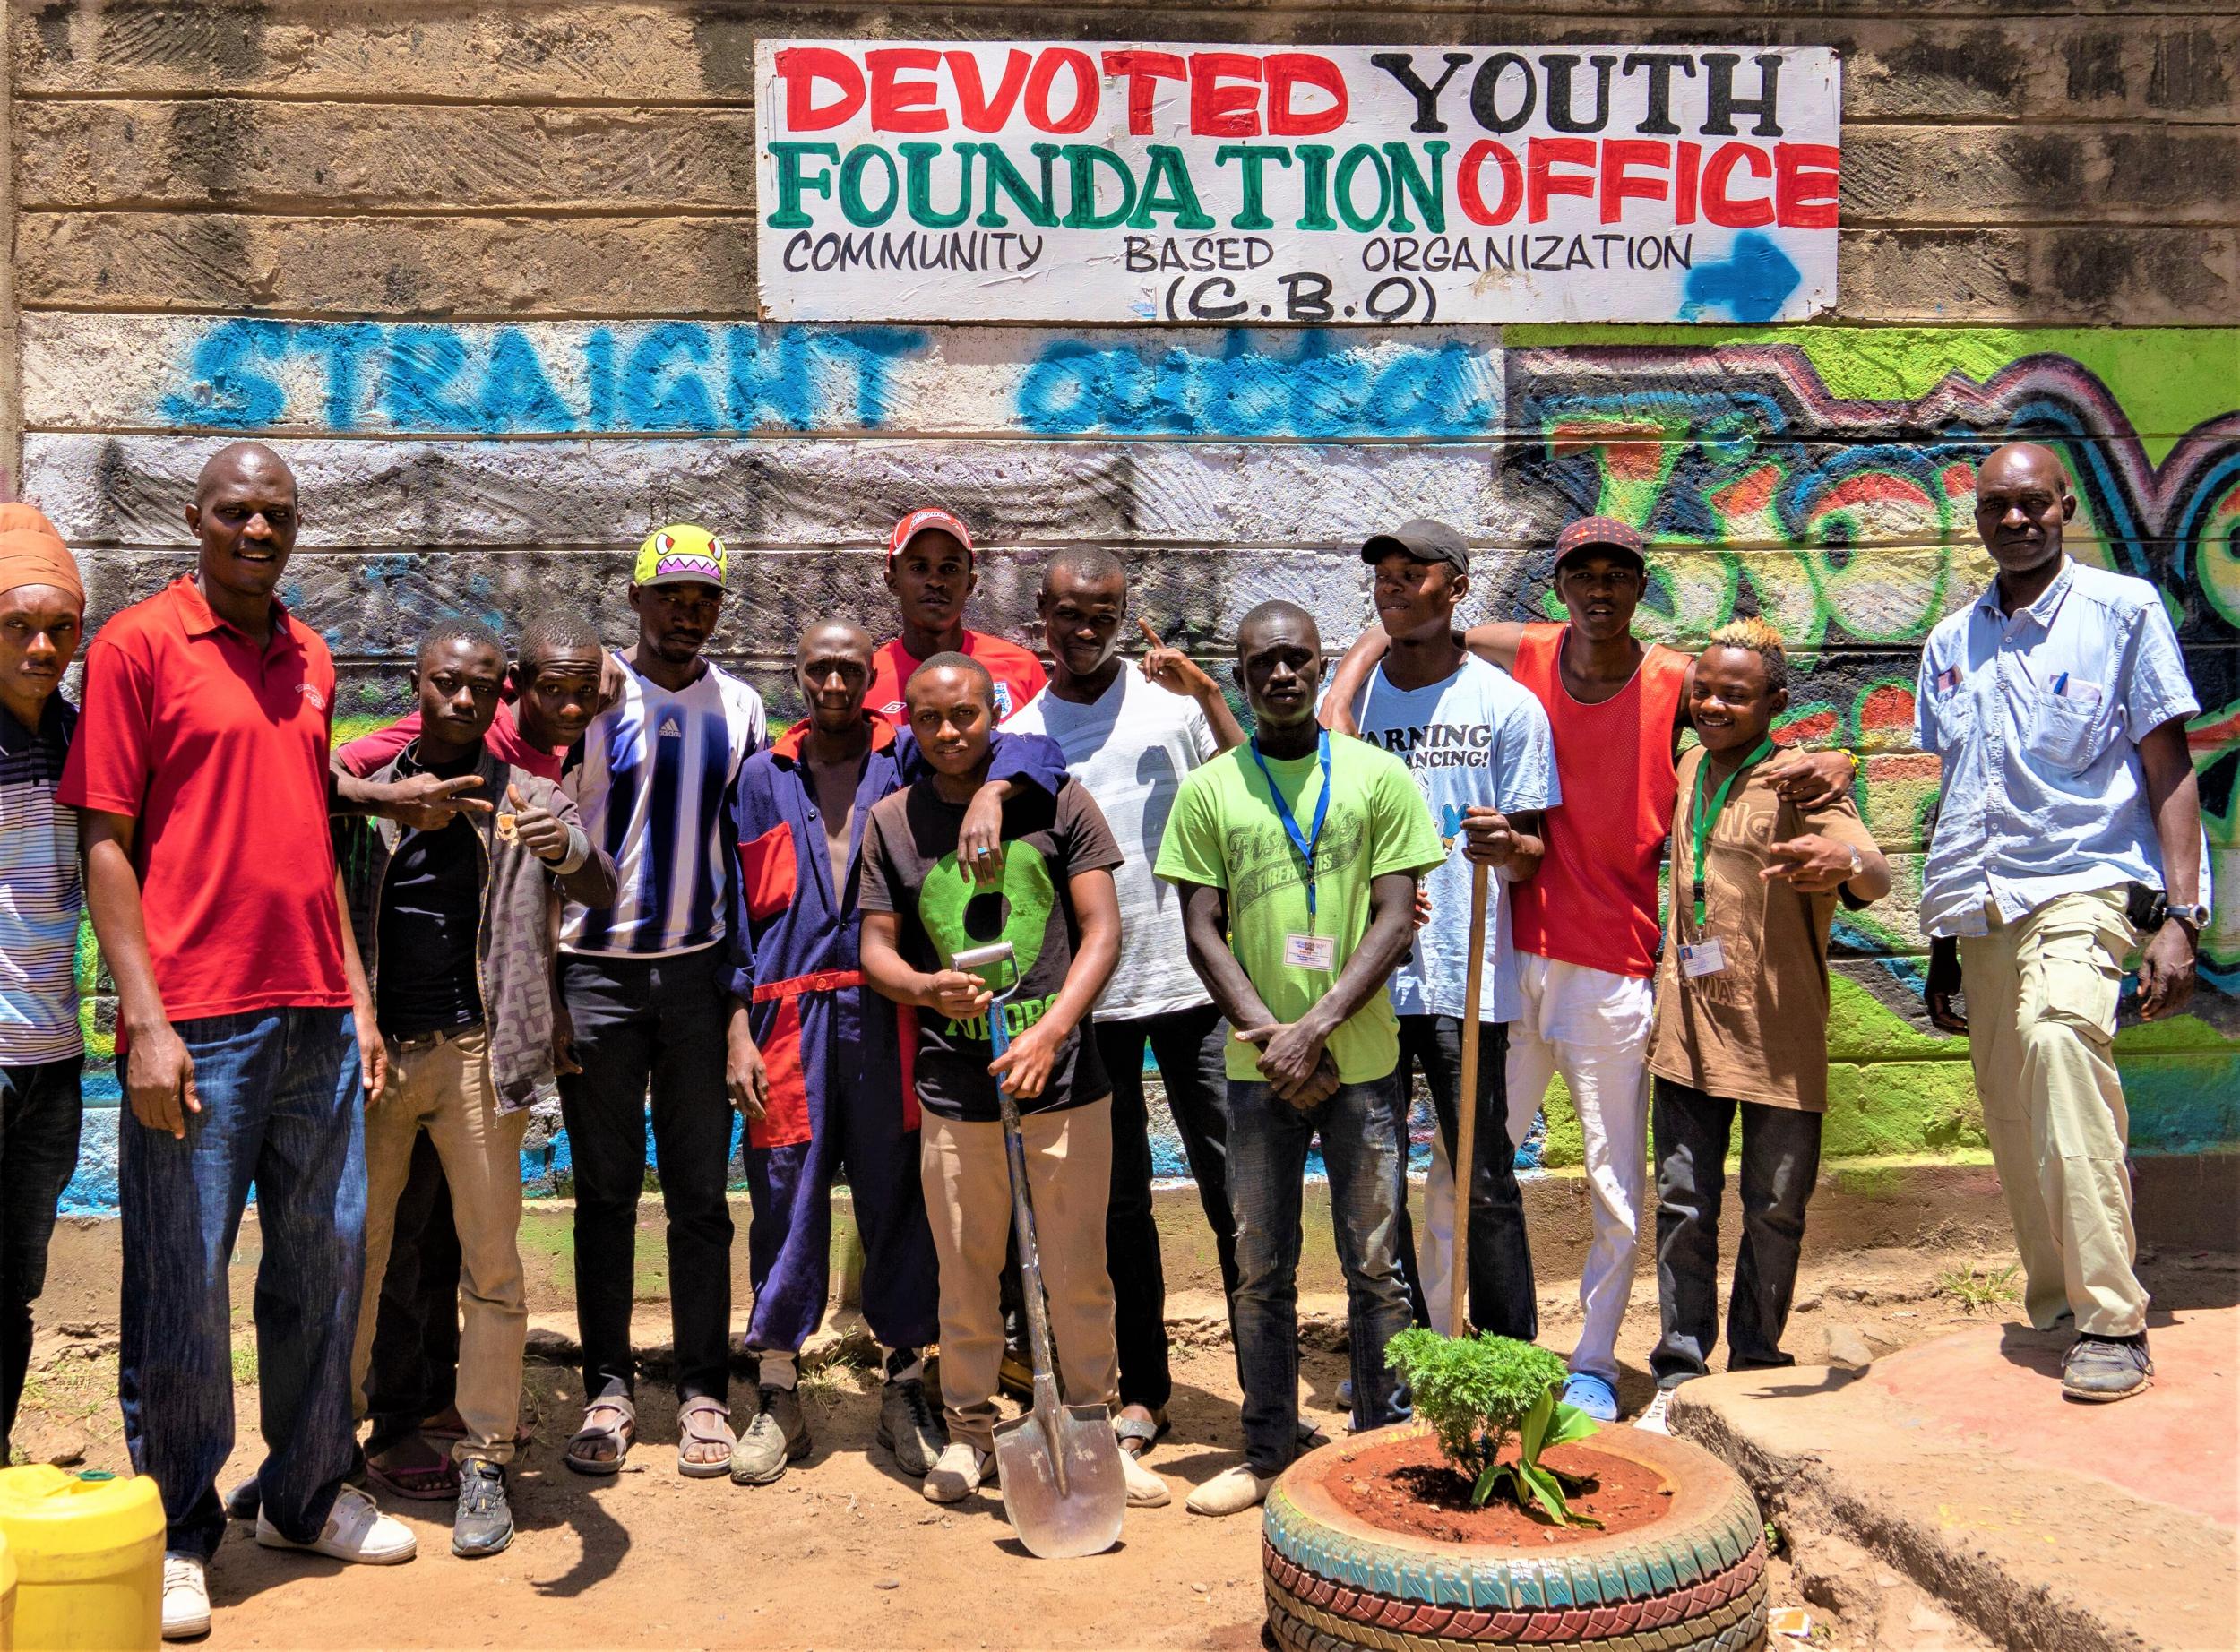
[
  {"x": 1480, "y": 748},
  {"x": 1586, "y": 922},
  {"x": 1742, "y": 1011},
  {"x": 1057, "y": 910},
  {"x": 819, "y": 1065},
  {"x": 1297, "y": 855},
  {"x": 460, "y": 911}
]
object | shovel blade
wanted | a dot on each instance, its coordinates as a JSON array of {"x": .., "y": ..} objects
[{"x": 1085, "y": 1517}]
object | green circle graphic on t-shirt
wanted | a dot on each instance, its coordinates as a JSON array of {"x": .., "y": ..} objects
[{"x": 1028, "y": 897}]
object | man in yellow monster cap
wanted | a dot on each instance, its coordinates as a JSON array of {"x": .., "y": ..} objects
[{"x": 655, "y": 777}]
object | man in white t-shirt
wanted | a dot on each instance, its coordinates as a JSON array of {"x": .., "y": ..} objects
[
  {"x": 1130, "y": 734},
  {"x": 1480, "y": 749}
]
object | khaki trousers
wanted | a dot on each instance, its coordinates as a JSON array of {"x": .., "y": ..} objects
[
  {"x": 967, "y": 1200},
  {"x": 444, "y": 1087},
  {"x": 2041, "y": 1017}
]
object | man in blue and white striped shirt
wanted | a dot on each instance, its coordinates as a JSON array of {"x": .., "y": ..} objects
[
  {"x": 42, "y": 617},
  {"x": 655, "y": 780}
]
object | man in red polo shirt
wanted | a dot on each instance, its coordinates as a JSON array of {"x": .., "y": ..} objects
[
  {"x": 930, "y": 571},
  {"x": 245, "y": 1027},
  {"x": 1585, "y": 925}
]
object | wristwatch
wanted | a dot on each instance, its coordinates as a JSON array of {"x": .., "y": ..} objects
[
  {"x": 1858, "y": 862},
  {"x": 2195, "y": 916}
]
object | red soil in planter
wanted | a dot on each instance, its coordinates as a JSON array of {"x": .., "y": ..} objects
[{"x": 1405, "y": 1484}]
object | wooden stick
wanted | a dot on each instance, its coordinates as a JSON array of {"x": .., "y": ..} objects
[{"x": 1465, "y": 1110}]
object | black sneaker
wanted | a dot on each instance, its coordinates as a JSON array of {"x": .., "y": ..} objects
[
  {"x": 243, "y": 1502},
  {"x": 909, "y": 1427},
  {"x": 483, "y": 1525}
]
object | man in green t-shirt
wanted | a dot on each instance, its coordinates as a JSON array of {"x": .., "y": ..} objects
[{"x": 1297, "y": 855}]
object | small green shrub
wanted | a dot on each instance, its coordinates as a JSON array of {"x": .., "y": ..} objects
[{"x": 1479, "y": 1392}]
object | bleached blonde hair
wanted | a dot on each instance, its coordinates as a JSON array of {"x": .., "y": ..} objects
[{"x": 1753, "y": 634}]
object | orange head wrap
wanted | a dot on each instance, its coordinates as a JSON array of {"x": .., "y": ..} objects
[{"x": 31, "y": 552}]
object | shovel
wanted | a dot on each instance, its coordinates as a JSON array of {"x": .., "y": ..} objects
[{"x": 1063, "y": 1489}]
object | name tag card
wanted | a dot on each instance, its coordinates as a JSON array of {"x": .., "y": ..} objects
[
  {"x": 1705, "y": 957},
  {"x": 1310, "y": 952}
]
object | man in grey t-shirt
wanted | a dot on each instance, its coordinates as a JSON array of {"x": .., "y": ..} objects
[{"x": 1130, "y": 734}]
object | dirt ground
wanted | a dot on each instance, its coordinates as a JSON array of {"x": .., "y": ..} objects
[{"x": 844, "y": 1553}]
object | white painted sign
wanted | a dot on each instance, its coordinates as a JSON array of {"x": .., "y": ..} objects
[{"x": 1101, "y": 184}]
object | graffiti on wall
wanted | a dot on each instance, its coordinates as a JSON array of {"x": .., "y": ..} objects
[{"x": 1820, "y": 477}]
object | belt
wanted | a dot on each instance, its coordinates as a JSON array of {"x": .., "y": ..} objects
[{"x": 822, "y": 981}]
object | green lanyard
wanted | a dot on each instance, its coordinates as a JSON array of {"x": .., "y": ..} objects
[{"x": 1699, "y": 821}]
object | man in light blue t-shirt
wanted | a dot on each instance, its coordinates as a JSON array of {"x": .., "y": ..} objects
[{"x": 1481, "y": 752}]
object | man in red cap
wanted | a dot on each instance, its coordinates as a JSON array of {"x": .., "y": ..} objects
[
  {"x": 42, "y": 616},
  {"x": 930, "y": 571},
  {"x": 1585, "y": 924}
]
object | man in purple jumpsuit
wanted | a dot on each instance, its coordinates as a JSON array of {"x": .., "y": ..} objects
[{"x": 819, "y": 1065}]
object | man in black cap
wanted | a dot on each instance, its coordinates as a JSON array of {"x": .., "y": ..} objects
[
  {"x": 1587, "y": 920},
  {"x": 1481, "y": 753}
]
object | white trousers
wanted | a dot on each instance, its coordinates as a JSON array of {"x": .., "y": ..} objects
[{"x": 1592, "y": 1026}]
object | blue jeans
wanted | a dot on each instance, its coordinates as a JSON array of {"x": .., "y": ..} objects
[
  {"x": 1268, "y": 1142},
  {"x": 280, "y": 1108},
  {"x": 40, "y": 1111}
]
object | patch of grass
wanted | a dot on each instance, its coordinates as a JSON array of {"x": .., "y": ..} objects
[
  {"x": 245, "y": 1364},
  {"x": 1978, "y": 1291}
]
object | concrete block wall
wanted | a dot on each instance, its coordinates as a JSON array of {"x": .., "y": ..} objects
[{"x": 485, "y": 273}]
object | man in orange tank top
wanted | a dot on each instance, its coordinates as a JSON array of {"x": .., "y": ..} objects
[{"x": 1586, "y": 926}]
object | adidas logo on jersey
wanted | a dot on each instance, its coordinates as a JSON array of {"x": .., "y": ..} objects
[{"x": 671, "y": 728}]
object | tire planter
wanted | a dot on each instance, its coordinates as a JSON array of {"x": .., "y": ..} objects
[{"x": 1692, "y": 1581}]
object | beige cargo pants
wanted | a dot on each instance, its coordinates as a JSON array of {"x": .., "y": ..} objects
[{"x": 2041, "y": 1017}]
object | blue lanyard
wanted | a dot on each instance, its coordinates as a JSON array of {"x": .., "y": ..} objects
[{"x": 1302, "y": 841}]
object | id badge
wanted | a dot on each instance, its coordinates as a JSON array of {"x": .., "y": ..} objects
[
  {"x": 1704, "y": 957},
  {"x": 1310, "y": 952}
]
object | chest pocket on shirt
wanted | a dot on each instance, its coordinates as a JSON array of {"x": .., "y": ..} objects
[{"x": 2067, "y": 732}]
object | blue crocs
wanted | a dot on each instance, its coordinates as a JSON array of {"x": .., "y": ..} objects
[{"x": 1593, "y": 1396}]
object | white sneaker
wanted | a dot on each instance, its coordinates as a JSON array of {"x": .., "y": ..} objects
[
  {"x": 1653, "y": 1420},
  {"x": 186, "y": 1599},
  {"x": 1146, "y": 1490},
  {"x": 958, "y": 1472},
  {"x": 1231, "y": 1491},
  {"x": 356, "y": 1530}
]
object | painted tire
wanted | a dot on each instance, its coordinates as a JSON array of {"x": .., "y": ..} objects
[{"x": 1692, "y": 1582}]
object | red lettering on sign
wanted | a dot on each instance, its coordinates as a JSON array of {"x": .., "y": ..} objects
[
  {"x": 1542, "y": 155},
  {"x": 1469, "y": 191},
  {"x": 898, "y": 105},
  {"x": 1143, "y": 71},
  {"x": 1805, "y": 178},
  {"x": 1620, "y": 156},
  {"x": 1722, "y": 208},
  {"x": 1220, "y": 108},
  {"x": 1285, "y": 71},
  {"x": 1087, "y": 91},
  {"x": 977, "y": 110},
  {"x": 1687, "y": 162},
  {"x": 800, "y": 67}
]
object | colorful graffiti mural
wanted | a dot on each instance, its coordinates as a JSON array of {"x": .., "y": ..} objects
[{"x": 1818, "y": 475}]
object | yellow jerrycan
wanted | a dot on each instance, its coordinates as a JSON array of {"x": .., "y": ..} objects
[
  {"x": 89, "y": 1560},
  {"x": 7, "y": 1598}
]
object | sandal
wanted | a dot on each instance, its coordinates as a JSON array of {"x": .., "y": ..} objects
[
  {"x": 695, "y": 1428},
  {"x": 619, "y": 1429},
  {"x": 1136, "y": 1434},
  {"x": 433, "y": 1479},
  {"x": 449, "y": 1427}
]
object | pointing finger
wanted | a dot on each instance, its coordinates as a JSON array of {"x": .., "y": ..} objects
[
  {"x": 1149, "y": 636},
  {"x": 513, "y": 796}
]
